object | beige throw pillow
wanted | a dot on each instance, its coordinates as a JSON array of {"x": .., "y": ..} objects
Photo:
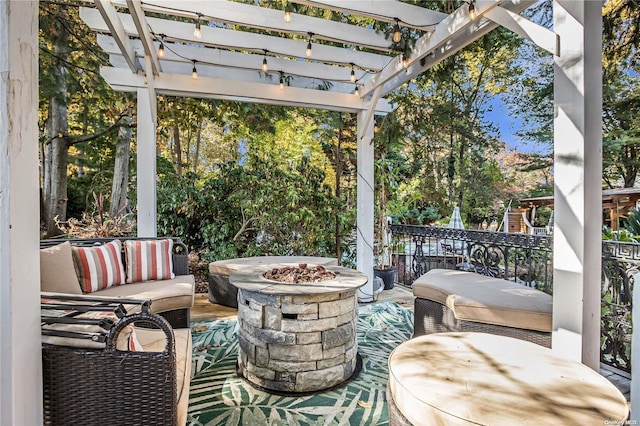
[{"x": 57, "y": 274}]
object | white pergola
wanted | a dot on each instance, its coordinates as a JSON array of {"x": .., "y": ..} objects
[{"x": 229, "y": 65}]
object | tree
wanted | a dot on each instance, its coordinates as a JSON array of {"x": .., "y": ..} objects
[{"x": 76, "y": 107}]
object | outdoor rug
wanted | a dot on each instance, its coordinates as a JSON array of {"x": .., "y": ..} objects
[{"x": 219, "y": 397}]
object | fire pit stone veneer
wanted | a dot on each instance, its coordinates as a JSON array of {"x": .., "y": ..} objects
[{"x": 297, "y": 338}]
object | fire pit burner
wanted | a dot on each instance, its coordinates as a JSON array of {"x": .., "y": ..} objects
[
  {"x": 300, "y": 274},
  {"x": 297, "y": 338}
]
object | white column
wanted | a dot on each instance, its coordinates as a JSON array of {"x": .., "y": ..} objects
[
  {"x": 365, "y": 205},
  {"x": 146, "y": 158},
  {"x": 635, "y": 355},
  {"x": 577, "y": 180},
  {"x": 20, "y": 359}
]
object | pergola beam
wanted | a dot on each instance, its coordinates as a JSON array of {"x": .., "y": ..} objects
[
  {"x": 541, "y": 36},
  {"x": 427, "y": 53},
  {"x": 383, "y": 10},
  {"x": 241, "y": 41},
  {"x": 213, "y": 88},
  {"x": 111, "y": 18},
  {"x": 146, "y": 39},
  {"x": 269, "y": 19},
  {"x": 237, "y": 61}
]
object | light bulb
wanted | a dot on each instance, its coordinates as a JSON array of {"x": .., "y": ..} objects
[
  {"x": 308, "y": 49},
  {"x": 161, "y": 50},
  {"x": 265, "y": 66},
  {"x": 405, "y": 60},
  {"x": 194, "y": 71},
  {"x": 197, "y": 33},
  {"x": 397, "y": 33},
  {"x": 353, "y": 76},
  {"x": 356, "y": 91},
  {"x": 281, "y": 83},
  {"x": 472, "y": 9},
  {"x": 287, "y": 13}
]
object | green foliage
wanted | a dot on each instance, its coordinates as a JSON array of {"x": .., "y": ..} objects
[
  {"x": 633, "y": 223},
  {"x": 622, "y": 235},
  {"x": 417, "y": 216}
]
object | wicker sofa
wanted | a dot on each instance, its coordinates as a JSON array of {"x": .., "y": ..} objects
[
  {"x": 172, "y": 298},
  {"x": 103, "y": 364}
]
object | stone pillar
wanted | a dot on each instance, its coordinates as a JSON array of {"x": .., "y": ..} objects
[
  {"x": 365, "y": 205},
  {"x": 20, "y": 356},
  {"x": 578, "y": 180},
  {"x": 146, "y": 140}
]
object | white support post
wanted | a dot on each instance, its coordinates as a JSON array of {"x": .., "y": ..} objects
[
  {"x": 146, "y": 144},
  {"x": 365, "y": 204},
  {"x": 635, "y": 354},
  {"x": 20, "y": 355},
  {"x": 578, "y": 180}
]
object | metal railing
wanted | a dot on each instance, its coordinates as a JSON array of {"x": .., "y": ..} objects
[{"x": 526, "y": 259}]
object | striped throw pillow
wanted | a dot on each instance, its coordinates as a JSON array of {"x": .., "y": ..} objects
[
  {"x": 99, "y": 267},
  {"x": 148, "y": 260}
]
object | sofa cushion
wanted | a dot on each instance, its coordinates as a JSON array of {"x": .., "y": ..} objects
[
  {"x": 166, "y": 295},
  {"x": 99, "y": 267},
  {"x": 155, "y": 341},
  {"x": 148, "y": 260},
  {"x": 57, "y": 273},
  {"x": 478, "y": 298}
]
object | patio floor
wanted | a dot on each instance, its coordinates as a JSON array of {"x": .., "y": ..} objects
[{"x": 204, "y": 310}]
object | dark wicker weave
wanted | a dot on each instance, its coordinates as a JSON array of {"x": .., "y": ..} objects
[
  {"x": 432, "y": 317},
  {"x": 221, "y": 291},
  {"x": 396, "y": 418},
  {"x": 111, "y": 387},
  {"x": 178, "y": 318}
]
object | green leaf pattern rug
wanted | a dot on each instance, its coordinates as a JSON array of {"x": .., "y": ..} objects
[{"x": 219, "y": 397}]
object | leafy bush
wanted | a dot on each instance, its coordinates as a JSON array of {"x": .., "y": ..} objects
[{"x": 633, "y": 223}]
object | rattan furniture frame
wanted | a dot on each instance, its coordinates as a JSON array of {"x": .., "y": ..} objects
[
  {"x": 178, "y": 318},
  {"x": 433, "y": 317},
  {"x": 83, "y": 386}
]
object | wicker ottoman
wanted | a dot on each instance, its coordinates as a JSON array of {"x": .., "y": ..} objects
[
  {"x": 448, "y": 300},
  {"x": 484, "y": 379}
]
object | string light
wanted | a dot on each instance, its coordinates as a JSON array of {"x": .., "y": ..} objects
[
  {"x": 161, "y": 48},
  {"x": 353, "y": 74},
  {"x": 356, "y": 91},
  {"x": 472, "y": 9},
  {"x": 265, "y": 66},
  {"x": 405, "y": 60},
  {"x": 397, "y": 33},
  {"x": 194, "y": 71},
  {"x": 197, "y": 33},
  {"x": 309, "y": 45},
  {"x": 281, "y": 80},
  {"x": 287, "y": 13}
]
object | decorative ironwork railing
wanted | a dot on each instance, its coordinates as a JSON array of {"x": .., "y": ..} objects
[{"x": 528, "y": 260}]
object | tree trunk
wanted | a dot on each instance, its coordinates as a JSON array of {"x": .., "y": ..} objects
[
  {"x": 338, "y": 194},
  {"x": 177, "y": 148},
  {"x": 196, "y": 155},
  {"x": 121, "y": 169},
  {"x": 56, "y": 150}
]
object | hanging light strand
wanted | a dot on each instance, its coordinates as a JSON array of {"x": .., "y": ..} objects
[
  {"x": 353, "y": 73},
  {"x": 281, "y": 80},
  {"x": 356, "y": 91},
  {"x": 194, "y": 71}
]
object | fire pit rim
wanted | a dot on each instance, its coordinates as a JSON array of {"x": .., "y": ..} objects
[{"x": 252, "y": 279}]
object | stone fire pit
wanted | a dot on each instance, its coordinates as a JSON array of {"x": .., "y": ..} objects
[{"x": 297, "y": 338}]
